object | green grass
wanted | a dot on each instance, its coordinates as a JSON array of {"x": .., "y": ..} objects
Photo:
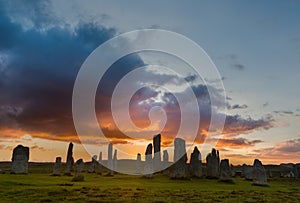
[{"x": 41, "y": 187}]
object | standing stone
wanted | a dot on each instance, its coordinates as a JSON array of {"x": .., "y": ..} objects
[
  {"x": 213, "y": 164},
  {"x": 148, "y": 170},
  {"x": 225, "y": 173},
  {"x": 115, "y": 161},
  {"x": 110, "y": 164},
  {"x": 196, "y": 163},
  {"x": 259, "y": 173},
  {"x": 100, "y": 158},
  {"x": 79, "y": 166},
  {"x": 138, "y": 164},
  {"x": 157, "y": 155},
  {"x": 247, "y": 172},
  {"x": 93, "y": 164},
  {"x": 20, "y": 159},
  {"x": 70, "y": 160},
  {"x": 296, "y": 170},
  {"x": 179, "y": 168},
  {"x": 57, "y": 167},
  {"x": 165, "y": 159},
  {"x": 98, "y": 166}
]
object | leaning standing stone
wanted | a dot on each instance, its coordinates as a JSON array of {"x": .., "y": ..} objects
[
  {"x": 259, "y": 174},
  {"x": 57, "y": 167},
  {"x": 20, "y": 160},
  {"x": 148, "y": 170},
  {"x": 70, "y": 160}
]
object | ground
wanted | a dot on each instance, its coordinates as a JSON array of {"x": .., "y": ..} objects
[{"x": 124, "y": 188}]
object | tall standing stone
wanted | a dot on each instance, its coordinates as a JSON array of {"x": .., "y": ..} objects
[
  {"x": 138, "y": 163},
  {"x": 98, "y": 167},
  {"x": 115, "y": 161},
  {"x": 57, "y": 167},
  {"x": 259, "y": 173},
  {"x": 179, "y": 168},
  {"x": 70, "y": 160},
  {"x": 213, "y": 164},
  {"x": 110, "y": 164},
  {"x": 196, "y": 163},
  {"x": 148, "y": 170},
  {"x": 20, "y": 159},
  {"x": 157, "y": 155},
  {"x": 225, "y": 173},
  {"x": 165, "y": 159},
  {"x": 93, "y": 164}
]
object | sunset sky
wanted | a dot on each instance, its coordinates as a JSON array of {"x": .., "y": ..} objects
[{"x": 255, "y": 45}]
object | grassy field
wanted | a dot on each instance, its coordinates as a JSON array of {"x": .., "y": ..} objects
[{"x": 41, "y": 187}]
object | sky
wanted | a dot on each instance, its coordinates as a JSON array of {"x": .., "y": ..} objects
[{"x": 254, "y": 45}]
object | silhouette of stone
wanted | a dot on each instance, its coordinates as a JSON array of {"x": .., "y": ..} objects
[
  {"x": 110, "y": 164},
  {"x": 165, "y": 159},
  {"x": 79, "y": 166},
  {"x": 225, "y": 173},
  {"x": 138, "y": 163},
  {"x": 93, "y": 164},
  {"x": 296, "y": 170},
  {"x": 70, "y": 160},
  {"x": 20, "y": 159},
  {"x": 213, "y": 164},
  {"x": 157, "y": 155},
  {"x": 247, "y": 172},
  {"x": 259, "y": 173},
  {"x": 196, "y": 163},
  {"x": 179, "y": 168},
  {"x": 57, "y": 167},
  {"x": 100, "y": 157},
  {"x": 115, "y": 161},
  {"x": 148, "y": 170}
]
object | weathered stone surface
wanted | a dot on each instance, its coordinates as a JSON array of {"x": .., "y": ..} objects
[
  {"x": 115, "y": 161},
  {"x": 20, "y": 159},
  {"x": 110, "y": 164},
  {"x": 165, "y": 159},
  {"x": 196, "y": 163},
  {"x": 297, "y": 170},
  {"x": 79, "y": 167},
  {"x": 225, "y": 173},
  {"x": 138, "y": 163},
  {"x": 98, "y": 166},
  {"x": 259, "y": 173},
  {"x": 157, "y": 154},
  {"x": 93, "y": 164},
  {"x": 70, "y": 160},
  {"x": 247, "y": 172},
  {"x": 57, "y": 167},
  {"x": 213, "y": 164},
  {"x": 179, "y": 168},
  {"x": 148, "y": 169}
]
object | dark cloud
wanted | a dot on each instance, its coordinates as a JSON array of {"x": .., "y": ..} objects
[
  {"x": 282, "y": 113},
  {"x": 237, "y": 142},
  {"x": 36, "y": 88},
  {"x": 239, "y": 66},
  {"x": 237, "y": 106}
]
